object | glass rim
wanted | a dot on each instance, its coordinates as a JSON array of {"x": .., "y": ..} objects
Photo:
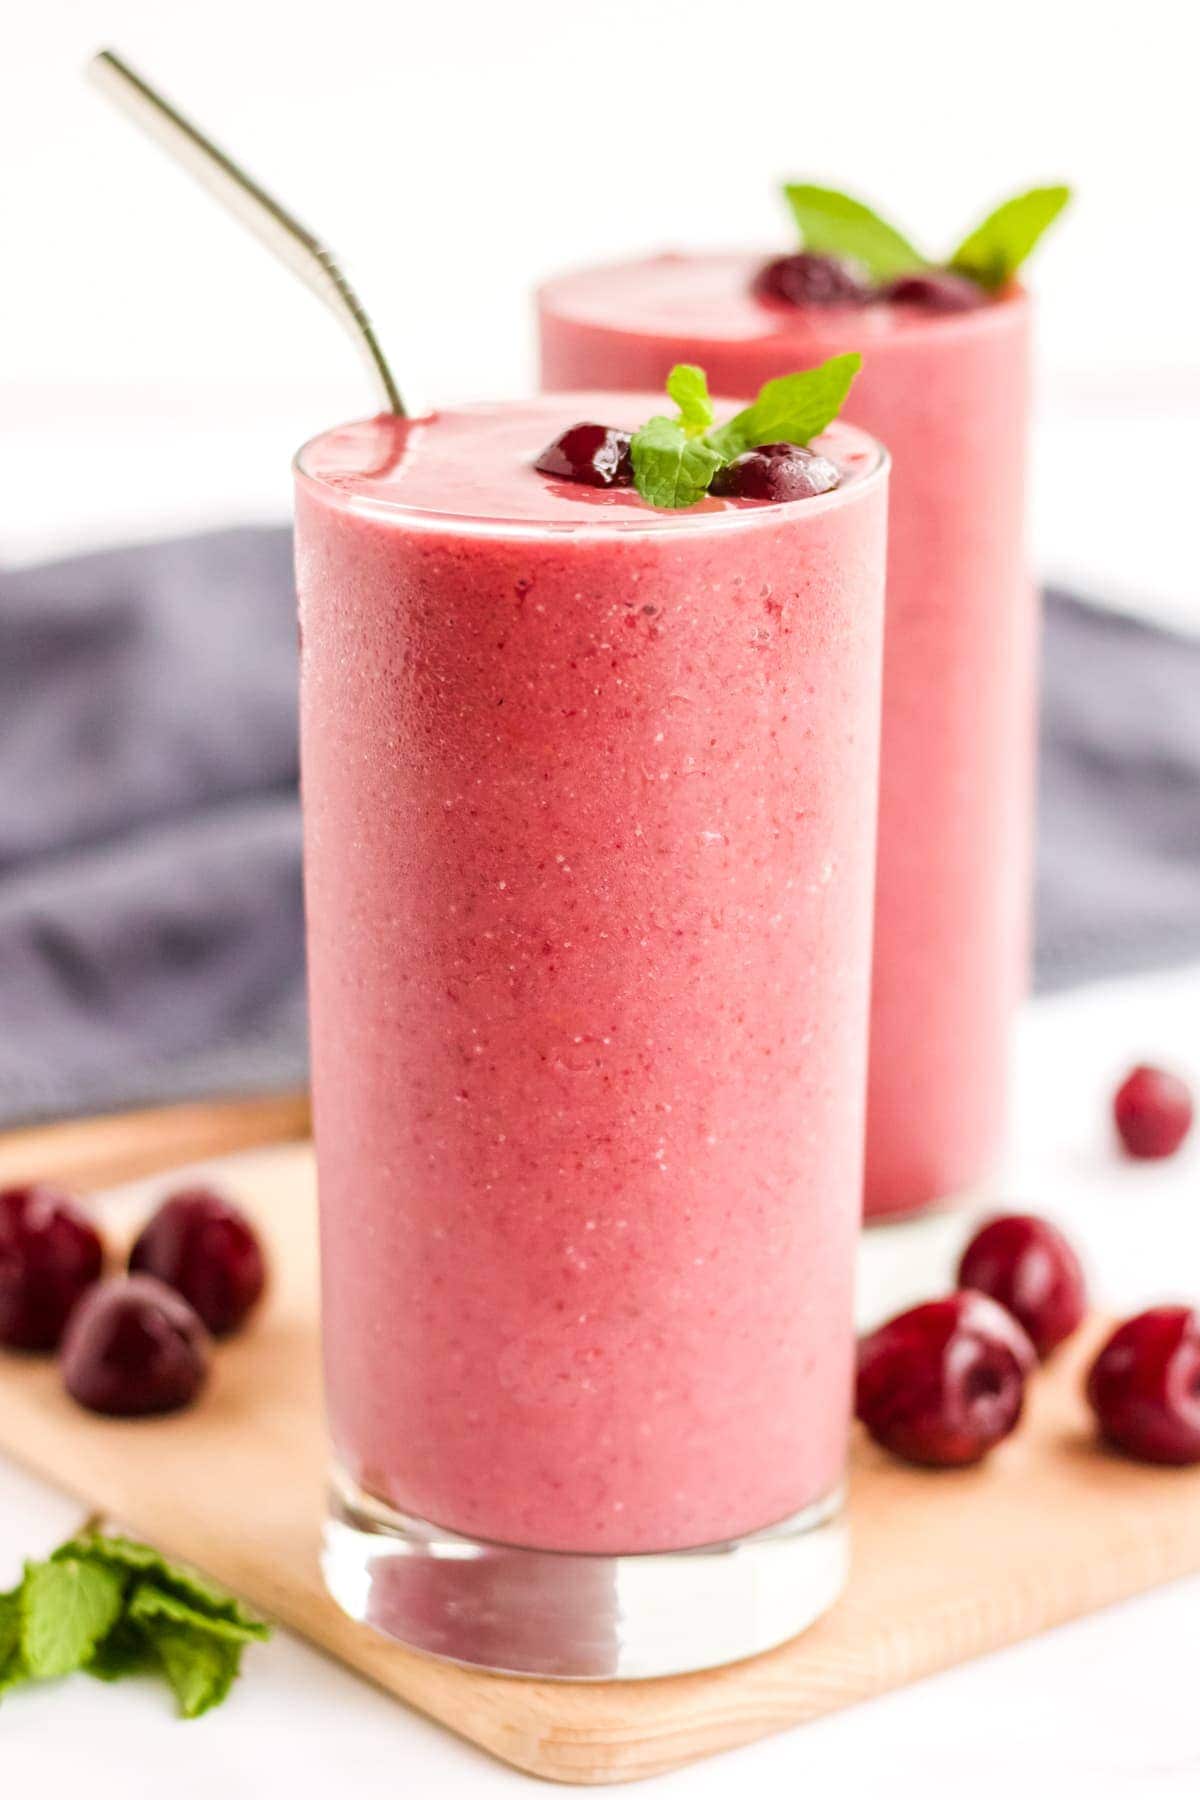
[
  {"x": 685, "y": 522},
  {"x": 832, "y": 330}
]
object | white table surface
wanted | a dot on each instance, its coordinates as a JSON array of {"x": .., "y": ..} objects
[{"x": 1106, "y": 1705}]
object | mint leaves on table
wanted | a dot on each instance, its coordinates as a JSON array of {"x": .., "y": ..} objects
[
  {"x": 11, "y": 1668},
  {"x": 113, "y": 1607},
  {"x": 995, "y": 250},
  {"x": 68, "y": 1606},
  {"x": 674, "y": 460},
  {"x": 835, "y": 224}
]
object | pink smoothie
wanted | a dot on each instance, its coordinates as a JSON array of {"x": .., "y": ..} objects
[
  {"x": 589, "y": 798},
  {"x": 948, "y": 395}
]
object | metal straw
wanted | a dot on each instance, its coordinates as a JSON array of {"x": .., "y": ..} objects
[{"x": 272, "y": 223}]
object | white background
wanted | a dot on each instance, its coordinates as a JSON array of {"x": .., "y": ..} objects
[
  {"x": 157, "y": 370},
  {"x": 157, "y": 367}
]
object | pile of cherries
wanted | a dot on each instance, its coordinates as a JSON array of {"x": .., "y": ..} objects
[
  {"x": 943, "y": 1383},
  {"x": 135, "y": 1343},
  {"x": 809, "y": 279}
]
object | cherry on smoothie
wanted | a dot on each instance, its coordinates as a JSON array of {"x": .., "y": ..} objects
[
  {"x": 134, "y": 1346},
  {"x": 943, "y": 1383},
  {"x": 936, "y": 290},
  {"x": 1153, "y": 1112},
  {"x": 595, "y": 454},
  {"x": 50, "y": 1254},
  {"x": 1029, "y": 1267},
  {"x": 205, "y": 1248},
  {"x": 776, "y": 472},
  {"x": 809, "y": 279},
  {"x": 1144, "y": 1386}
]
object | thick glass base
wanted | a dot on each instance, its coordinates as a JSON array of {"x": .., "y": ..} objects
[{"x": 577, "y": 1617}]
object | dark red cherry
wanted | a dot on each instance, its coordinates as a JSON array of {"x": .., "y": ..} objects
[
  {"x": 776, "y": 472},
  {"x": 50, "y": 1254},
  {"x": 943, "y": 1383},
  {"x": 936, "y": 290},
  {"x": 1144, "y": 1387},
  {"x": 595, "y": 454},
  {"x": 1028, "y": 1266},
  {"x": 807, "y": 279},
  {"x": 134, "y": 1346},
  {"x": 1153, "y": 1112},
  {"x": 201, "y": 1245}
]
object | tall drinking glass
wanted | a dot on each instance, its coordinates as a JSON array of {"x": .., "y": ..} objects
[
  {"x": 589, "y": 797},
  {"x": 948, "y": 393}
]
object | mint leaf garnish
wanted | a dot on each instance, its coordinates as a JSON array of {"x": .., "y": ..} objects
[
  {"x": 114, "y": 1607},
  {"x": 66, "y": 1608},
  {"x": 671, "y": 469},
  {"x": 200, "y": 1668},
  {"x": 674, "y": 460},
  {"x": 995, "y": 250},
  {"x": 791, "y": 409},
  {"x": 835, "y": 224},
  {"x": 688, "y": 388}
]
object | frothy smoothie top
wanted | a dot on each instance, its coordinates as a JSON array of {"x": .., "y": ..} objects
[
  {"x": 710, "y": 297},
  {"x": 476, "y": 463}
]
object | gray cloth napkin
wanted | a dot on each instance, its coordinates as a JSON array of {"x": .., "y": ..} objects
[{"x": 151, "y": 941}]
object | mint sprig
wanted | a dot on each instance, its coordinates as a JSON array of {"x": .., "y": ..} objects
[
  {"x": 175, "y": 1578},
  {"x": 67, "y": 1608},
  {"x": 670, "y": 468},
  {"x": 688, "y": 387},
  {"x": 674, "y": 460},
  {"x": 113, "y": 1607},
  {"x": 12, "y": 1667},
  {"x": 995, "y": 250},
  {"x": 836, "y": 224},
  {"x": 791, "y": 409}
]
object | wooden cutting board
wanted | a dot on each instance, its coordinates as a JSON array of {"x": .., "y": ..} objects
[{"x": 946, "y": 1565}]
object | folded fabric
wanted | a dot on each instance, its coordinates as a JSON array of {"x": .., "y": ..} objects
[
  {"x": 151, "y": 941},
  {"x": 1118, "y": 845}
]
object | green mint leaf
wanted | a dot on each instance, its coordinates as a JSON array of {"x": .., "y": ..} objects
[
  {"x": 674, "y": 467},
  {"x": 127, "y": 1557},
  {"x": 125, "y": 1651},
  {"x": 688, "y": 388},
  {"x": 67, "y": 1606},
  {"x": 995, "y": 250},
  {"x": 12, "y": 1664},
  {"x": 834, "y": 224},
  {"x": 114, "y": 1607},
  {"x": 200, "y": 1668},
  {"x": 150, "y": 1606},
  {"x": 791, "y": 409},
  {"x": 671, "y": 469}
]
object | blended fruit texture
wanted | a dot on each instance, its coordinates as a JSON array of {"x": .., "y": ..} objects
[
  {"x": 589, "y": 798},
  {"x": 948, "y": 395}
]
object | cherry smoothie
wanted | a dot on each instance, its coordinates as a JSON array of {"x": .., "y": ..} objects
[
  {"x": 947, "y": 392},
  {"x": 589, "y": 795}
]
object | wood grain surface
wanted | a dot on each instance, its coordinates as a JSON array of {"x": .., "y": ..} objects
[
  {"x": 111, "y": 1147},
  {"x": 946, "y": 1566}
]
